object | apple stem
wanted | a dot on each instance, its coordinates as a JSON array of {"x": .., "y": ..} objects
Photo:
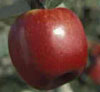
[{"x": 36, "y": 4}]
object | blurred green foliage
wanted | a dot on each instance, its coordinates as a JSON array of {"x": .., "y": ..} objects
[{"x": 89, "y": 13}]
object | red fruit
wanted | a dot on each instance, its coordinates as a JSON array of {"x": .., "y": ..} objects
[
  {"x": 96, "y": 50},
  {"x": 94, "y": 68},
  {"x": 48, "y": 47},
  {"x": 94, "y": 71}
]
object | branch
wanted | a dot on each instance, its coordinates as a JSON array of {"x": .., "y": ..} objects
[{"x": 35, "y": 4}]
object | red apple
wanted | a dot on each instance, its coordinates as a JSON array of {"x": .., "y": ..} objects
[
  {"x": 94, "y": 71},
  {"x": 48, "y": 47},
  {"x": 94, "y": 68},
  {"x": 96, "y": 50}
]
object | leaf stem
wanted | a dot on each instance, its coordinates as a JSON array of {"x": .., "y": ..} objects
[{"x": 36, "y": 4}]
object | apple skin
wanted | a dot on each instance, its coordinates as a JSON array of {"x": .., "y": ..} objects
[
  {"x": 48, "y": 47},
  {"x": 96, "y": 50},
  {"x": 94, "y": 72},
  {"x": 94, "y": 69}
]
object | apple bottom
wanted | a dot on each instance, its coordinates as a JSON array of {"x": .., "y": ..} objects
[{"x": 41, "y": 82}]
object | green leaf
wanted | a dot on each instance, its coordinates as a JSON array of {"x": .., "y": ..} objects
[
  {"x": 15, "y": 9},
  {"x": 52, "y": 3}
]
